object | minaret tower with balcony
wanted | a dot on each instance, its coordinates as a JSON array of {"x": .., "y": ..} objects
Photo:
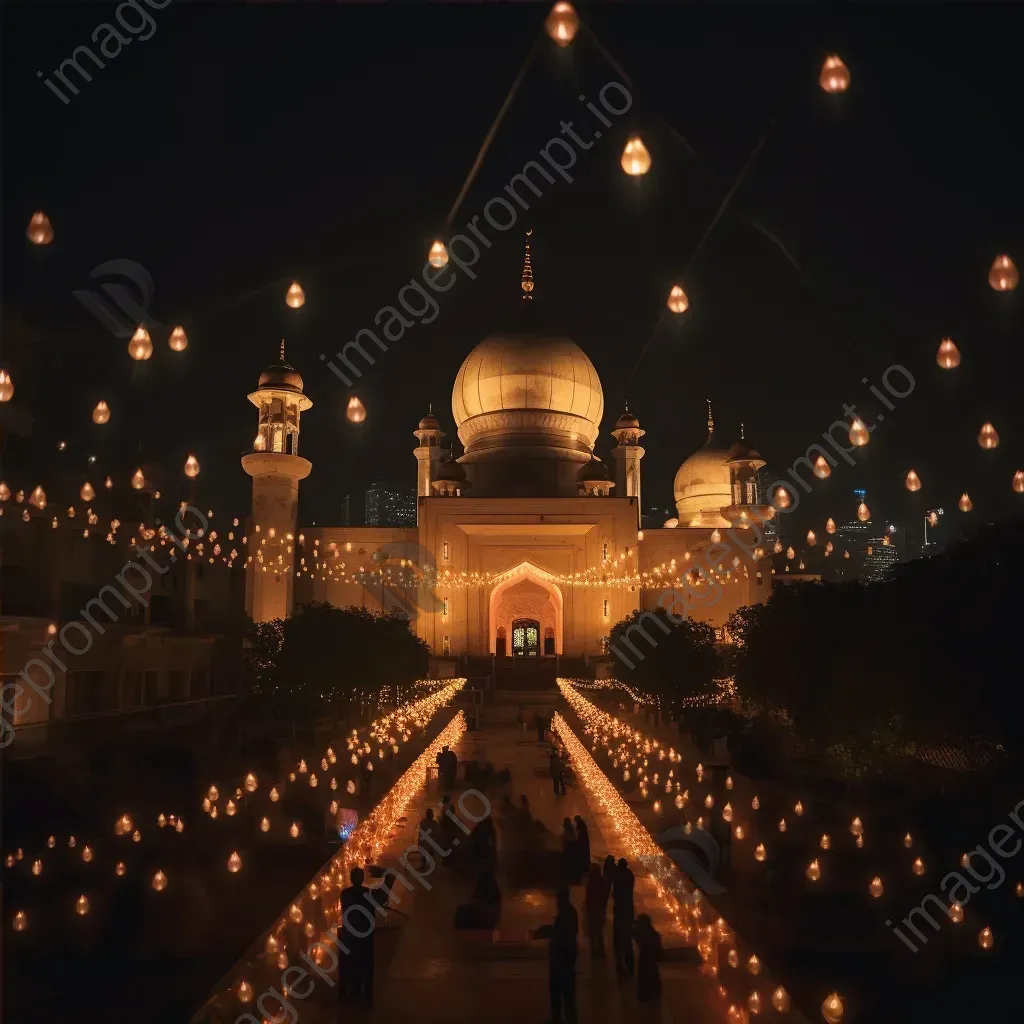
[
  {"x": 627, "y": 454},
  {"x": 276, "y": 469}
]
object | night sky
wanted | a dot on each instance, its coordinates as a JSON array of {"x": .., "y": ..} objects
[{"x": 243, "y": 146}]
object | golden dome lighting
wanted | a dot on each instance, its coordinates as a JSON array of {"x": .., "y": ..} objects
[
  {"x": 1003, "y": 276},
  {"x": 140, "y": 347},
  {"x": 437, "y": 257},
  {"x": 832, "y": 1008},
  {"x": 38, "y": 497},
  {"x": 40, "y": 230},
  {"x": 912, "y": 482},
  {"x": 1018, "y": 481},
  {"x": 159, "y": 882},
  {"x": 355, "y": 411},
  {"x": 101, "y": 413},
  {"x": 835, "y": 75},
  {"x": 138, "y": 479},
  {"x": 985, "y": 938},
  {"x": 87, "y": 493},
  {"x": 191, "y": 467},
  {"x": 965, "y": 504},
  {"x": 562, "y": 24},
  {"x": 948, "y": 356},
  {"x": 234, "y": 862},
  {"x": 677, "y": 300},
  {"x": 636, "y": 161},
  {"x": 876, "y": 888},
  {"x": 6, "y": 386},
  {"x": 295, "y": 296},
  {"x": 858, "y": 433},
  {"x": 178, "y": 341},
  {"x": 863, "y": 512},
  {"x": 988, "y": 437},
  {"x": 821, "y": 467}
]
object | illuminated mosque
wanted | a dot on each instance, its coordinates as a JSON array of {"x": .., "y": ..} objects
[{"x": 528, "y": 544}]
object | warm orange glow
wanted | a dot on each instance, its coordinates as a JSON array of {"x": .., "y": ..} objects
[
  {"x": 908, "y": 840},
  {"x": 987, "y": 436},
  {"x": 119, "y": 869},
  {"x": 1002, "y": 275},
  {"x": 38, "y": 497},
  {"x": 438, "y": 255},
  {"x": 832, "y": 1008},
  {"x": 863, "y": 512},
  {"x": 811, "y": 538},
  {"x": 918, "y": 866},
  {"x": 821, "y": 467},
  {"x": 636, "y": 161},
  {"x": 82, "y": 906},
  {"x": 178, "y": 341},
  {"x": 876, "y": 888},
  {"x": 40, "y": 230},
  {"x": 141, "y": 345},
  {"x": 562, "y": 23},
  {"x": 1018, "y": 481},
  {"x": 234, "y": 862},
  {"x": 830, "y": 525},
  {"x": 835, "y": 75},
  {"x": 295, "y": 296},
  {"x": 948, "y": 356},
  {"x": 780, "y": 999},
  {"x": 677, "y": 300},
  {"x": 355, "y": 411},
  {"x": 965, "y": 504},
  {"x": 985, "y": 938},
  {"x": 138, "y": 479},
  {"x": 191, "y": 467},
  {"x": 956, "y": 913},
  {"x": 87, "y": 493},
  {"x": 782, "y": 498},
  {"x": 859, "y": 435},
  {"x": 6, "y": 386},
  {"x": 101, "y": 414},
  {"x": 912, "y": 482},
  {"x": 159, "y": 882}
]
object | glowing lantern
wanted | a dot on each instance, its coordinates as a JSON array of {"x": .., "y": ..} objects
[
  {"x": 782, "y": 498},
  {"x": 295, "y": 913},
  {"x": 755, "y": 804},
  {"x": 250, "y": 783},
  {"x": 754, "y": 1002},
  {"x": 790, "y": 553},
  {"x": 136, "y": 836},
  {"x": 814, "y": 871},
  {"x": 985, "y": 938},
  {"x": 191, "y": 467},
  {"x": 1003, "y": 276},
  {"x": 956, "y": 913},
  {"x": 159, "y": 882},
  {"x": 229, "y": 808},
  {"x": 727, "y": 812},
  {"x": 965, "y": 504},
  {"x": 293, "y": 831},
  {"x": 636, "y": 161},
  {"x": 782, "y": 824},
  {"x": 871, "y": 551},
  {"x": 51, "y": 842},
  {"x": 677, "y": 300},
  {"x": 82, "y": 906},
  {"x": 1019, "y": 889},
  {"x": 38, "y": 498},
  {"x": 835, "y": 75},
  {"x": 234, "y": 863},
  {"x": 987, "y": 436},
  {"x": 780, "y": 999},
  {"x": 858, "y": 433},
  {"x": 178, "y": 341},
  {"x": 295, "y": 296},
  {"x": 138, "y": 479},
  {"x": 821, "y": 468},
  {"x": 140, "y": 347},
  {"x": 832, "y": 1008},
  {"x": 716, "y": 536},
  {"x": 37, "y": 868},
  {"x": 87, "y": 853},
  {"x": 562, "y": 24},
  {"x": 6, "y": 386},
  {"x": 863, "y": 512},
  {"x": 709, "y": 801},
  {"x": 798, "y": 807},
  {"x": 933, "y": 518},
  {"x": 244, "y": 992},
  {"x": 876, "y": 888},
  {"x": 948, "y": 356},
  {"x": 826, "y": 841},
  {"x": 87, "y": 493},
  {"x": 811, "y": 538},
  {"x": 912, "y": 482},
  {"x": 918, "y": 866},
  {"x": 350, "y": 786},
  {"x": 356, "y": 411},
  {"x": 908, "y": 840},
  {"x": 1018, "y": 481},
  {"x": 274, "y": 796},
  {"x": 829, "y": 548},
  {"x": 5, "y": 491},
  {"x": 437, "y": 257},
  {"x": 40, "y": 230},
  {"x": 108, "y": 483}
]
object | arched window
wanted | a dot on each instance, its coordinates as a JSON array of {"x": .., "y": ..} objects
[
  {"x": 444, "y": 608},
  {"x": 446, "y": 646},
  {"x": 751, "y": 495},
  {"x": 604, "y": 552}
]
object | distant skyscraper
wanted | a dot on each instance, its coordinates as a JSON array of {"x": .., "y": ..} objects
[
  {"x": 387, "y": 505},
  {"x": 346, "y": 511},
  {"x": 881, "y": 558}
]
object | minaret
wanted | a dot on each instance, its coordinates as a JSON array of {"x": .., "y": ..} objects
[
  {"x": 748, "y": 506},
  {"x": 276, "y": 469},
  {"x": 428, "y": 454},
  {"x": 627, "y": 454}
]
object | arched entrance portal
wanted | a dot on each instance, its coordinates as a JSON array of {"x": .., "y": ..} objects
[{"x": 526, "y": 599}]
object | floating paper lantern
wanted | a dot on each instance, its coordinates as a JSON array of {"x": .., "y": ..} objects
[
  {"x": 829, "y": 549},
  {"x": 948, "y": 356},
  {"x": 782, "y": 824},
  {"x": 863, "y": 512},
  {"x": 234, "y": 862},
  {"x": 835, "y": 75},
  {"x": 437, "y": 257},
  {"x": 5, "y": 491},
  {"x": 562, "y": 24},
  {"x": 830, "y": 525},
  {"x": 859, "y": 435},
  {"x": 782, "y": 498},
  {"x": 119, "y": 869},
  {"x": 832, "y": 1008},
  {"x": 159, "y": 882},
  {"x": 6, "y": 386},
  {"x": 1018, "y": 481},
  {"x": 933, "y": 518},
  {"x": 274, "y": 795},
  {"x": 138, "y": 479},
  {"x": 108, "y": 483},
  {"x": 229, "y": 808},
  {"x": 140, "y": 347},
  {"x": 295, "y": 296},
  {"x": 755, "y": 804},
  {"x": 178, "y": 341},
  {"x": 636, "y": 161},
  {"x": 1002, "y": 275},
  {"x": 136, "y": 836},
  {"x": 191, "y": 467},
  {"x": 825, "y": 842},
  {"x": 293, "y": 831},
  {"x": 956, "y": 913},
  {"x": 759, "y": 852},
  {"x": 798, "y": 807},
  {"x": 821, "y": 467},
  {"x": 988, "y": 437},
  {"x": 985, "y": 938},
  {"x": 965, "y": 504},
  {"x": 250, "y": 783},
  {"x": 814, "y": 871},
  {"x": 754, "y": 1003},
  {"x": 918, "y": 866},
  {"x": 912, "y": 482},
  {"x": 870, "y": 551},
  {"x": 876, "y": 888},
  {"x": 716, "y": 536},
  {"x": 677, "y": 300},
  {"x": 908, "y": 840},
  {"x": 87, "y": 853},
  {"x": 356, "y": 411},
  {"x": 40, "y": 230},
  {"x": 51, "y": 842},
  {"x": 20, "y": 922},
  {"x": 38, "y": 498},
  {"x": 780, "y": 999},
  {"x": 790, "y": 553},
  {"x": 264, "y": 824},
  {"x": 37, "y": 868},
  {"x": 87, "y": 493},
  {"x": 1018, "y": 890},
  {"x": 811, "y": 538},
  {"x": 82, "y": 905},
  {"x": 101, "y": 414}
]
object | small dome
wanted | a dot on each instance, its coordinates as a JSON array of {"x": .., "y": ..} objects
[
  {"x": 592, "y": 471},
  {"x": 702, "y": 484},
  {"x": 450, "y": 470},
  {"x": 743, "y": 451},
  {"x": 429, "y": 422},
  {"x": 281, "y": 374},
  {"x": 626, "y": 421}
]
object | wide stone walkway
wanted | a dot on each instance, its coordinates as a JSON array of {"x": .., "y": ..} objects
[{"x": 427, "y": 972}]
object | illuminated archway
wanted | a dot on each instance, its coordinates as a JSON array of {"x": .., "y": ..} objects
[{"x": 525, "y": 572}]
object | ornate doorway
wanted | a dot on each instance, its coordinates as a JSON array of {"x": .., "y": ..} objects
[{"x": 525, "y": 638}]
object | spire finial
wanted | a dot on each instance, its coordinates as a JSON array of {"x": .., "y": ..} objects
[
  {"x": 282, "y": 350},
  {"x": 742, "y": 436},
  {"x": 527, "y": 281},
  {"x": 430, "y": 408},
  {"x": 711, "y": 419},
  {"x": 627, "y": 405}
]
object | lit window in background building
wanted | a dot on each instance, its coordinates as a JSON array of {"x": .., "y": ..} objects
[{"x": 387, "y": 505}]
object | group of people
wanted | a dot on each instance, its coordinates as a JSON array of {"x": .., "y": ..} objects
[{"x": 575, "y": 849}]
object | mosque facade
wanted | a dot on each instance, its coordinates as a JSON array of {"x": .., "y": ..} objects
[{"x": 527, "y": 544}]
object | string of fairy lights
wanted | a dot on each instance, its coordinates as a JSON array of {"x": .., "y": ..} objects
[
  {"x": 640, "y": 759},
  {"x": 384, "y": 736}
]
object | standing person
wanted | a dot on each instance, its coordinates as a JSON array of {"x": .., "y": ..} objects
[
  {"x": 357, "y": 964},
  {"x": 538, "y": 720},
  {"x": 557, "y": 773},
  {"x": 595, "y": 909},
  {"x": 622, "y": 917},
  {"x": 428, "y": 828},
  {"x": 648, "y": 977},
  {"x": 365, "y": 777},
  {"x": 562, "y": 958},
  {"x": 521, "y": 718},
  {"x": 445, "y": 770},
  {"x": 582, "y": 844},
  {"x": 608, "y": 870}
]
